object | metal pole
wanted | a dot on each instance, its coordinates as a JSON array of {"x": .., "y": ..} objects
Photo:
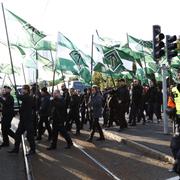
[
  {"x": 3, "y": 80},
  {"x": 165, "y": 120},
  {"x": 23, "y": 73},
  {"x": 54, "y": 71},
  {"x": 92, "y": 58},
  {"x": 7, "y": 36}
]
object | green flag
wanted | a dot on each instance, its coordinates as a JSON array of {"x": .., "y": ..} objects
[
  {"x": 85, "y": 75},
  {"x": 76, "y": 56},
  {"x": 112, "y": 59},
  {"x": 147, "y": 44},
  {"x": 6, "y": 69},
  {"x": 32, "y": 34},
  {"x": 66, "y": 65},
  {"x": 45, "y": 45},
  {"x": 65, "y": 42},
  {"x": 100, "y": 67}
]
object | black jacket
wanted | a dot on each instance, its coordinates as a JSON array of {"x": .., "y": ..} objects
[
  {"x": 45, "y": 105},
  {"x": 8, "y": 105},
  {"x": 58, "y": 111},
  {"x": 26, "y": 108}
]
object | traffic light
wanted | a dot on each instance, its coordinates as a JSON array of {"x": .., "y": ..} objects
[
  {"x": 171, "y": 44},
  {"x": 158, "y": 44},
  {"x": 178, "y": 44}
]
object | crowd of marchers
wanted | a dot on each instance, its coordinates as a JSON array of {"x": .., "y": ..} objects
[{"x": 40, "y": 111}]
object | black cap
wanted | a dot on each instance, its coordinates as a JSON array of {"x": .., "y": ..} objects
[{"x": 7, "y": 87}]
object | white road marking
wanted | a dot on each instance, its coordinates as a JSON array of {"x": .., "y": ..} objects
[{"x": 174, "y": 178}]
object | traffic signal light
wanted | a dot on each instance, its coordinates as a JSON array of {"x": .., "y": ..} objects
[
  {"x": 158, "y": 44},
  {"x": 171, "y": 44},
  {"x": 178, "y": 44}
]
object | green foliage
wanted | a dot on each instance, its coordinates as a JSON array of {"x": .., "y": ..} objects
[{"x": 102, "y": 82}]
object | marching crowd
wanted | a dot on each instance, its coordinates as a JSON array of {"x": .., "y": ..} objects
[{"x": 39, "y": 111}]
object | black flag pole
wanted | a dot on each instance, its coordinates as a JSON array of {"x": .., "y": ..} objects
[
  {"x": 92, "y": 45},
  {"x": 54, "y": 72},
  {"x": 7, "y": 36},
  {"x": 23, "y": 73}
]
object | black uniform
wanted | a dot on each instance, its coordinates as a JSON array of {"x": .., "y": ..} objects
[
  {"x": 74, "y": 112},
  {"x": 135, "y": 103},
  {"x": 44, "y": 114},
  {"x": 7, "y": 116},
  {"x": 25, "y": 123},
  {"x": 58, "y": 112},
  {"x": 123, "y": 105}
]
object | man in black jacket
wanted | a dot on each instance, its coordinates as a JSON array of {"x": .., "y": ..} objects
[
  {"x": 25, "y": 123},
  {"x": 123, "y": 103},
  {"x": 7, "y": 102},
  {"x": 74, "y": 111},
  {"x": 58, "y": 112},
  {"x": 44, "y": 114},
  {"x": 135, "y": 102}
]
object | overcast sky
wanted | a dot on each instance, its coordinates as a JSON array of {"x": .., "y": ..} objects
[{"x": 78, "y": 19}]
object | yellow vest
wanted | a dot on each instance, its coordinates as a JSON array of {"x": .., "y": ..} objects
[{"x": 176, "y": 94}]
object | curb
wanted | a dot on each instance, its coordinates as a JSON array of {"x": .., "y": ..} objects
[{"x": 146, "y": 150}]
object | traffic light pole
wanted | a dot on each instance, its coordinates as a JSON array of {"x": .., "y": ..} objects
[{"x": 165, "y": 118}]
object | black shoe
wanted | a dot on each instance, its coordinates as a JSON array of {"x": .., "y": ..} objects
[
  {"x": 4, "y": 145},
  {"x": 51, "y": 148},
  {"x": 31, "y": 152},
  {"x": 100, "y": 139},
  {"x": 69, "y": 146},
  {"x": 14, "y": 151}
]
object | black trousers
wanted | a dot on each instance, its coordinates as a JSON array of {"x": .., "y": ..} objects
[
  {"x": 35, "y": 121},
  {"x": 60, "y": 128},
  {"x": 44, "y": 120},
  {"x": 73, "y": 117},
  {"x": 6, "y": 129},
  {"x": 97, "y": 126},
  {"x": 22, "y": 127}
]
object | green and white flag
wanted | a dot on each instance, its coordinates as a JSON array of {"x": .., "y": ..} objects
[
  {"x": 65, "y": 42},
  {"x": 112, "y": 59},
  {"x": 31, "y": 34},
  {"x": 85, "y": 75},
  {"x": 76, "y": 56},
  {"x": 146, "y": 44},
  {"x": 64, "y": 65},
  {"x": 45, "y": 45}
]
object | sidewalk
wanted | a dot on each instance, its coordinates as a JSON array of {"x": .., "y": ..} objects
[{"x": 150, "y": 138}]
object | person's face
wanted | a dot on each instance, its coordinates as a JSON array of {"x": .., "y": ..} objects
[
  {"x": 93, "y": 90},
  {"x": 121, "y": 83},
  {"x": 42, "y": 93},
  {"x": 3, "y": 91},
  {"x": 72, "y": 91},
  {"x": 135, "y": 82},
  {"x": 24, "y": 91},
  {"x": 56, "y": 94}
]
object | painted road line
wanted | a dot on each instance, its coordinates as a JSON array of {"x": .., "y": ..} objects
[{"x": 174, "y": 178}]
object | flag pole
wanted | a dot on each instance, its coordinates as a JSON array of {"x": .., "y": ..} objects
[
  {"x": 23, "y": 73},
  {"x": 10, "y": 56},
  {"x": 3, "y": 80},
  {"x": 92, "y": 58},
  {"x": 54, "y": 72}
]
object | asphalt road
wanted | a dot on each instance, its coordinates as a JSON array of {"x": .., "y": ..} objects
[{"x": 124, "y": 162}]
